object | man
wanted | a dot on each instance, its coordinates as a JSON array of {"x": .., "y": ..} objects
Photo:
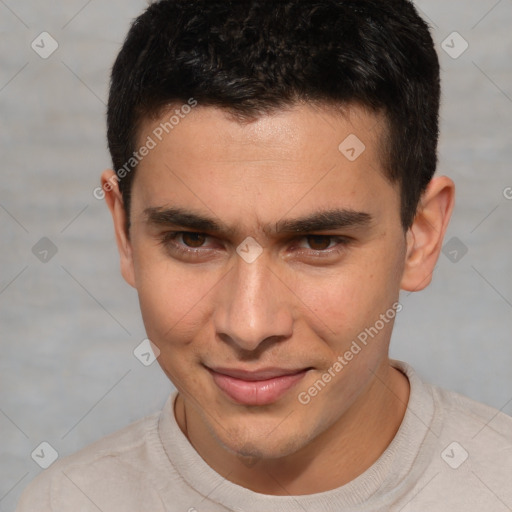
[{"x": 274, "y": 191}]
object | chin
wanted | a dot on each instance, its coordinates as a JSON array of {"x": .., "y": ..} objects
[
  {"x": 263, "y": 449},
  {"x": 262, "y": 442}
]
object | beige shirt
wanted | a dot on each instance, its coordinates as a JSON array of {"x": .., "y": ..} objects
[{"x": 450, "y": 454}]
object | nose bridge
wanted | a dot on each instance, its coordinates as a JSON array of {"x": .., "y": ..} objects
[{"x": 253, "y": 306}]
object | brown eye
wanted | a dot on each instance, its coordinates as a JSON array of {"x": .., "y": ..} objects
[
  {"x": 319, "y": 242},
  {"x": 193, "y": 240}
]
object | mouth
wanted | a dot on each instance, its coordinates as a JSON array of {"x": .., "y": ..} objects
[{"x": 261, "y": 387}]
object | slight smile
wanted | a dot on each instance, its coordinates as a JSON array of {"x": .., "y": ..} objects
[{"x": 261, "y": 387}]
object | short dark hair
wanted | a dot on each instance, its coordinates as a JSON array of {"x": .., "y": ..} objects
[{"x": 252, "y": 57}]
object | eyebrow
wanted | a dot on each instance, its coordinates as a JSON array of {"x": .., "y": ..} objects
[{"x": 323, "y": 220}]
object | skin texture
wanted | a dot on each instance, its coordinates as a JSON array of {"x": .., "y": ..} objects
[{"x": 300, "y": 304}]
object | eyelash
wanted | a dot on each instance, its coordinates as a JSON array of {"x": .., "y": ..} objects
[{"x": 169, "y": 242}]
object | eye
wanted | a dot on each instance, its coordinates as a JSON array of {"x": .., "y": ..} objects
[
  {"x": 193, "y": 240},
  {"x": 314, "y": 247},
  {"x": 319, "y": 242},
  {"x": 187, "y": 244}
]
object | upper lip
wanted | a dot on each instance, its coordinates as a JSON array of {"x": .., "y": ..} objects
[{"x": 254, "y": 375}]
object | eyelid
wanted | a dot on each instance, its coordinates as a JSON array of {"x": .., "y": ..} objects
[
  {"x": 170, "y": 236},
  {"x": 174, "y": 234},
  {"x": 168, "y": 240},
  {"x": 340, "y": 244},
  {"x": 338, "y": 238}
]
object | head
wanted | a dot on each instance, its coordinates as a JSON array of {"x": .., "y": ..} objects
[{"x": 310, "y": 127}]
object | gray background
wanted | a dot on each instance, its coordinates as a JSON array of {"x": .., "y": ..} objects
[{"x": 69, "y": 325}]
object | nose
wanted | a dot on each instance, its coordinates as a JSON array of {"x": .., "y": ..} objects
[{"x": 254, "y": 306}]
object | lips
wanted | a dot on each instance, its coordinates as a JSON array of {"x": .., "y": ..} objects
[{"x": 261, "y": 387}]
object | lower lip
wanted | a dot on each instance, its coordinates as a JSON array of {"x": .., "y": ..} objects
[{"x": 261, "y": 392}]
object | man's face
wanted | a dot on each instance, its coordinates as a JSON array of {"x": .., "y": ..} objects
[{"x": 298, "y": 305}]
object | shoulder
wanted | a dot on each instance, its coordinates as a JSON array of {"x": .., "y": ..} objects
[
  {"x": 471, "y": 417},
  {"x": 475, "y": 447},
  {"x": 454, "y": 413},
  {"x": 465, "y": 457},
  {"x": 118, "y": 465}
]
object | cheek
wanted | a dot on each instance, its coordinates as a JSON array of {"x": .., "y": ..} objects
[
  {"x": 174, "y": 310},
  {"x": 174, "y": 300},
  {"x": 351, "y": 298}
]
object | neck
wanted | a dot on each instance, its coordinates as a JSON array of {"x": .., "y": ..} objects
[{"x": 334, "y": 458}]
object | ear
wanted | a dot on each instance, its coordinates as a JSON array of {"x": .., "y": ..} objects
[
  {"x": 425, "y": 236},
  {"x": 114, "y": 200}
]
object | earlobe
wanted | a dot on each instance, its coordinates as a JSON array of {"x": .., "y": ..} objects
[
  {"x": 425, "y": 236},
  {"x": 114, "y": 200}
]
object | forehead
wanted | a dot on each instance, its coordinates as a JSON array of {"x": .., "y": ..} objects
[
  {"x": 291, "y": 159},
  {"x": 307, "y": 118}
]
